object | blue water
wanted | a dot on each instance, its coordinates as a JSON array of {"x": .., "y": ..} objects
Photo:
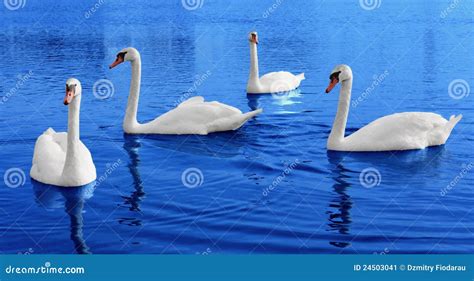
[{"x": 271, "y": 186}]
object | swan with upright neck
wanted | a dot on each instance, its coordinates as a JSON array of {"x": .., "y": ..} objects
[
  {"x": 270, "y": 83},
  {"x": 62, "y": 159},
  {"x": 193, "y": 116},
  {"x": 399, "y": 131}
]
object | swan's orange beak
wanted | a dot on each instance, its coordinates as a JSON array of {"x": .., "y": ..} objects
[
  {"x": 69, "y": 95},
  {"x": 117, "y": 61},
  {"x": 332, "y": 84}
]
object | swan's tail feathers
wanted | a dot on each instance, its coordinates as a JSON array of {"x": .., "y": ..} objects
[
  {"x": 231, "y": 123},
  {"x": 301, "y": 76},
  {"x": 453, "y": 120},
  {"x": 252, "y": 114},
  {"x": 246, "y": 116}
]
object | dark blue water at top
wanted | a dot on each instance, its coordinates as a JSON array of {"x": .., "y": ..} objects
[{"x": 271, "y": 186}]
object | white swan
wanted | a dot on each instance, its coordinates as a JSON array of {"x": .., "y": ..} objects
[
  {"x": 61, "y": 158},
  {"x": 193, "y": 116},
  {"x": 399, "y": 131},
  {"x": 273, "y": 82}
]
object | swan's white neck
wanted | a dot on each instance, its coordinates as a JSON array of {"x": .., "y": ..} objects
[
  {"x": 72, "y": 158},
  {"x": 339, "y": 126},
  {"x": 130, "y": 120},
  {"x": 254, "y": 75}
]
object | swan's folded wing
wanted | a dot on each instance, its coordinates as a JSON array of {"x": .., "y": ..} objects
[
  {"x": 398, "y": 131},
  {"x": 281, "y": 80},
  {"x": 193, "y": 100},
  {"x": 201, "y": 113},
  {"x": 49, "y": 154},
  {"x": 223, "y": 109},
  {"x": 192, "y": 118},
  {"x": 61, "y": 140}
]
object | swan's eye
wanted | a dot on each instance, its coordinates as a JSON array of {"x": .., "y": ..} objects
[
  {"x": 71, "y": 88},
  {"x": 334, "y": 75},
  {"x": 121, "y": 55}
]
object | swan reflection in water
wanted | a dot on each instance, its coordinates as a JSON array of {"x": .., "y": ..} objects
[
  {"x": 341, "y": 204},
  {"x": 221, "y": 145},
  {"x": 413, "y": 161},
  {"x": 278, "y": 99},
  {"x": 132, "y": 145},
  {"x": 72, "y": 199}
]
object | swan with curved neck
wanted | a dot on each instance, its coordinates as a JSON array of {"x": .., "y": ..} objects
[
  {"x": 193, "y": 116},
  {"x": 273, "y": 82},
  {"x": 62, "y": 159},
  {"x": 399, "y": 131}
]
